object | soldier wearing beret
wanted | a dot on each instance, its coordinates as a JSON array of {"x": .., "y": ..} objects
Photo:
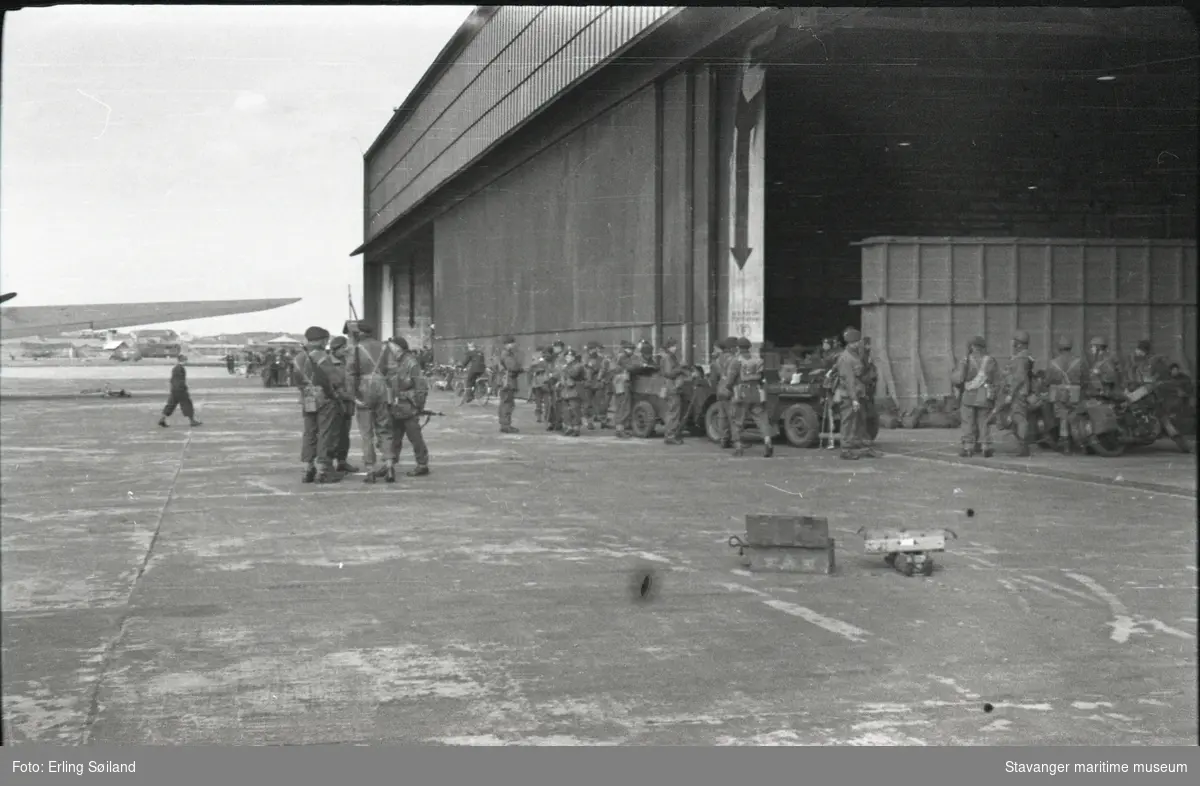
[
  {"x": 1018, "y": 384},
  {"x": 510, "y": 369},
  {"x": 622, "y": 389},
  {"x": 975, "y": 379},
  {"x": 321, "y": 404},
  {"x": 338, "y": 347},
  {"x": 744, "y": 379},
  {"x": 537, "y": 371},
  {"x": 672, "y": 373}
]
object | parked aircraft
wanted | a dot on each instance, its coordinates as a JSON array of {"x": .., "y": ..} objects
[{"x": 26, "y": 321}]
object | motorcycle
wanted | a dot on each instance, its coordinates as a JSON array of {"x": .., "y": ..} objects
[{"x": 1107, "y": 427}]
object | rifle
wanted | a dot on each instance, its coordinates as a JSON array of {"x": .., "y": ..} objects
[
  {"x": 427, "y": 414},
  {"x": 323, "y": 382}
]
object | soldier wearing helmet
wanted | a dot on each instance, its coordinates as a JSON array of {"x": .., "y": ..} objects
[
  {"x": 748, "y": 397},
  {"x": 1104, "y": 376},
  {"x": 622, "y": 384},
  {"x": 474, "y": 364},
  {"x": 1018, "y": 384},
  {"x": 975, "y": 379},
  {"x": 1154, "y": 372},
  {"x": 510, "y": 370},
  {"x": 1147, "y": 368},
  {"x": 1064, "y": 375},
  {"x": 537, "y": 381},
  {"x": 338, "y": 349},
  {"x": 849, "y": 396},
  {"x": 716, "y": 377},
  {"x": 672, "y": 373},
  {"x": 572, "y": 378}
]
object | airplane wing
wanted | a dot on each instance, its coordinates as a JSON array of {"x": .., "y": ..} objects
[{"x": 24, "y": 321}]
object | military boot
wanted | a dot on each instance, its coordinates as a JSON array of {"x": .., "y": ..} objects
[
  {"x": 849, "y": 455},
  {"x": 726, "y": 443},
  {"x": 964, "y": 452},
  {"x": 622, "y": 433},
  {"x": 1023, "y": 450},
  {"x": 988, "y": 452},
  {"x": 508, "y": 430},
  {"x": 162, "y": 422},
  {"x": 328, "y": 474},
  {"x": 768, "y": 449},
  {"x": 194, "y": 422},
  {"x": 976, "y": 448},
  {"x": 346, "y": 467},
  {"x": 371, "y": 476},
  {"x": 591, "y": 425},
  {"x": 550, "y": 426},
  {"x": 739, "y": 450},
  {"x": 389, "y": 472},
  {"x": 418, "y": 471},
  {"x": 310, "y": 474}
]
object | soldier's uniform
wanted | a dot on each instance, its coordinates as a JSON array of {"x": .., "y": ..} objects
[
  {"x": 720, "y": 370},
  {"x": 281, "y": 376},
  {"x": 975, "y": 377},
  {"x": 1064, "y": 376},
  {"x": 1104, "y": 375},
  {"x": 743, "y": 379},
  {"x": 848, "y": 396},
  {"x": 537, "y": 382},
  {"x": 371, "y": 377},
  {"x": 622, "y": 389},
  {"x": 672, "y": 373},
  {"x": 510, "y": 368},
  {"x": 475, "y": 367},
  {"x": 322, "y": 411},
  {"x": 341, "y": 452},
  {"x": 268, "y": 368},
  {"x": 178, "y": 396},
  {"x": 596, "y": 372},
  {"x": 1018, "y": 384},
  {"x": 408, "y": 398},
  {"x": 572, "y": 380}
]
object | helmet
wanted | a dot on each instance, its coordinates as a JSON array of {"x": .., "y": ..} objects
[{"x": 1021, "y": 337}]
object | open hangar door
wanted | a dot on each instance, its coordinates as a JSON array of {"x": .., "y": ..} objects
[{"x": 967, "y": 124}]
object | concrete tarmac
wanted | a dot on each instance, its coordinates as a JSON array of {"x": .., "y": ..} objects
[{"x": 181, "y": 586}]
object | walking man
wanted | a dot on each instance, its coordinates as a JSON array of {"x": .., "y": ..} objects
[{"x": 179, "y": 395}]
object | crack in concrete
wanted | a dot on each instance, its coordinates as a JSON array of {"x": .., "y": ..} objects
[{"x": 110, "y": 649}]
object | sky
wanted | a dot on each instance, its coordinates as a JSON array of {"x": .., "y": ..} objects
[{"x": 199, "y": 152}]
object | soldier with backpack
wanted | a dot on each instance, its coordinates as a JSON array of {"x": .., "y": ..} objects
[{"x": 371, "y": 372}]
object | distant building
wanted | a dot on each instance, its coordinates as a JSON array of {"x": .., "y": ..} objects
[{"x": 154, "y": 336}]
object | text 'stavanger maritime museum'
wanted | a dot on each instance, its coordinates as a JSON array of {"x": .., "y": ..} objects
[{"x": 602, "y": 173}]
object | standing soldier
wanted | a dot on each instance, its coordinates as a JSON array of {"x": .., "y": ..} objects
[
  {"x": 268, "y": 375},
  {"x": 554, "y": 366},
  {"x": 1018, "y": 383},
  {"x": 1104, "y": 376},
  {"x": 716, "y": 378},
  {"x": 179, "y": 395},
  {"x": 672, "y": 373},
  {"x": 1064, "y": 375},
  {"x": 537, "y": 381},
  {"x": 321, "y": 406},
  {"x": 622, "y": 384},
  {"x": 510, "y": 369},
  {"x": 341, "y": 452},
  {"x": 975, "y": 379},
  {"x": 229, "y": 363},
  {"x": 409, "y": 400},
  {"x": 849, "y": 395},
  {"x": 646, "y": 354},
  {"x": 594, "y": 367},
  {"x": 371, "y": 377},
  {"x": 573, "y": 376},
  {"x": 744, "y": 380},
  {"x": 604, "y": 397}
]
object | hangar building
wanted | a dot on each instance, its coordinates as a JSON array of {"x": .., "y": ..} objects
[{"x": 602, "y": 173}]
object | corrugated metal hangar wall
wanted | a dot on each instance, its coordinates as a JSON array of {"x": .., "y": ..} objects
[{"x": 606, "y": 216}]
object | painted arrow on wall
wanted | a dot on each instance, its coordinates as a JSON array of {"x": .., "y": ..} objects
[{"x": 746, "y": 118}]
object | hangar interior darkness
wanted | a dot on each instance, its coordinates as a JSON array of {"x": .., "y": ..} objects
[{"x": 884, "y": 132}]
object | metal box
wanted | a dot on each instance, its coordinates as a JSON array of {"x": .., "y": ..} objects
[{"x": 800, "y": 531}]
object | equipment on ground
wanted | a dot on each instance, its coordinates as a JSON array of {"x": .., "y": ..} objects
[
  {"x": 787, "y": 544},
  {"x": 905, "y": 550}
]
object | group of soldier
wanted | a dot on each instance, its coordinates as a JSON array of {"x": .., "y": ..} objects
[
  {"x": 984, "y": 388},
  {"x": 570, "y": 389},
  {"x": 357, "y": 376}
]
